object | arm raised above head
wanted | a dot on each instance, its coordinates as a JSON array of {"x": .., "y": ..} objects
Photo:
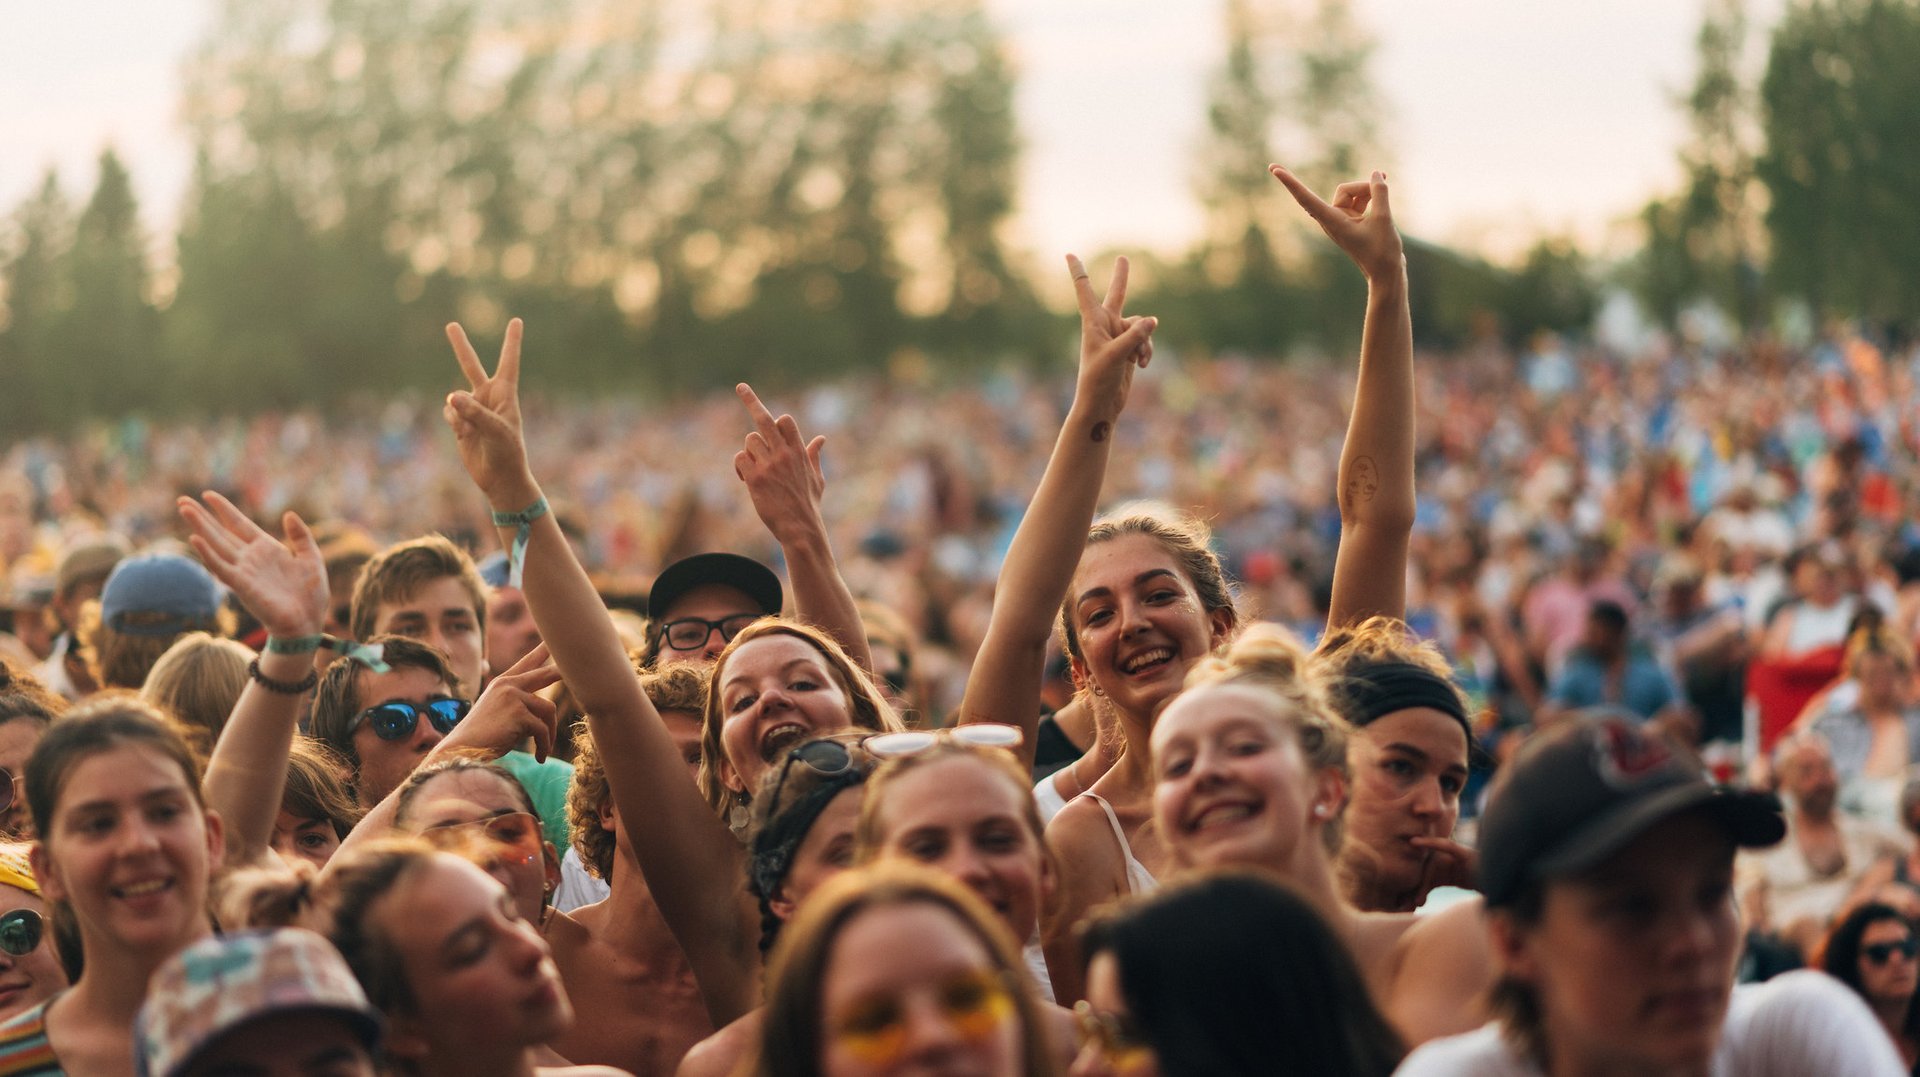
[
  {"x": 1375, "y": 486},
  {"x": 694, "y": 866},
  {"x": 1004, "y": 685}
]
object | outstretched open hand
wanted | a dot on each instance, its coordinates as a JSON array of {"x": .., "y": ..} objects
[
  {"x": 781, "y": 470},
  {"x": 485, "y": 417},
  {"x": 282, "y": 583},
  {"x": 1111, "y": 343},
  {"x": 1359, "y": 220}
]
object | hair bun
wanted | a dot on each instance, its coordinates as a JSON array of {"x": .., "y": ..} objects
[{"x": 1268, "y": 651}]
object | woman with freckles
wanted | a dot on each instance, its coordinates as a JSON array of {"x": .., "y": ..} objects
[{"x": 1141, "y": 598}]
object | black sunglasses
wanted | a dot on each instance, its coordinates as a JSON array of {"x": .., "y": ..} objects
[
  {"x": 396, "y": 718},
  {"x": 688, "y": 633},
  {"x": 20, "y": 931},
  {"x": 1880, "y": 952},
  {"x": 828, "y": 757}
]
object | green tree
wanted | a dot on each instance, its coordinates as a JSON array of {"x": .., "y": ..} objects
[
  {"x": 108, "y": 339},
  {"x": 1841, "y": 164},
  {"x": 1336, "y": 108},
  {"x": 38, "y": 292},
  {"x": 1702, "y": 242}
]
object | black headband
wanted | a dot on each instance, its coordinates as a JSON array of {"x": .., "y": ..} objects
[{"x": 1373, "y": 690}]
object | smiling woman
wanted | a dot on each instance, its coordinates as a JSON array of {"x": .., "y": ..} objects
[
  {"x": 778, "y": 683},
  {"x": 125, "y": 850}
]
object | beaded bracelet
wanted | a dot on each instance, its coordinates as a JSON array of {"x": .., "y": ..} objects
[{"x": 286, "y": 688}]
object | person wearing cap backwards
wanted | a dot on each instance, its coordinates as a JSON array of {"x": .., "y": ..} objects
[
  {"x": 259, "y": 1004},
  {"x": 148, "y": 603},
  {"x": 81, "y": 574},
  {"x": 1606, "y": 861}
]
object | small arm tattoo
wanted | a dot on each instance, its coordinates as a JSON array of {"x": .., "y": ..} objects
[
  {"x": 1100, "y": 430},
  {"x": 1363, "y": 481}
]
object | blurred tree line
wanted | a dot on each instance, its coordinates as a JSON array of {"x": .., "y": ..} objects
[{"x": 680, "y": 195}]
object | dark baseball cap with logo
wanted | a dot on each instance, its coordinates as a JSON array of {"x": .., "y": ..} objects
[{"x": 1575, "y": 797}]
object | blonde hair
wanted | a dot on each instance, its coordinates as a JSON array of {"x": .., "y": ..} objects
[
  {"x": 1270, "y": 659},
  {"x": 1872, "y": 641},
  {"x": 198, "y": 680},
  {"x": 867, "y": 708}
]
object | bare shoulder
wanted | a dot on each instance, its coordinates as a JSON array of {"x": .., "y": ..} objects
[
  {"x": 719, "y": 1054},
  {"x": 1443, "y": 969},
  {"x": 581, "y": 1071}
]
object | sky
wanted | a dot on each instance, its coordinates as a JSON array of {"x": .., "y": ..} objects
[{"x": 1505, "y": 120}]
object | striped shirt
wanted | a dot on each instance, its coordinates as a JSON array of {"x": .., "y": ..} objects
[{"x": 24, "y": 1050}]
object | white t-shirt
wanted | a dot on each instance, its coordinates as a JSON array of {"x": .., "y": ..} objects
[
  {"x": 1800, "y": 1024},
  {"x": 577, "y": 888}
]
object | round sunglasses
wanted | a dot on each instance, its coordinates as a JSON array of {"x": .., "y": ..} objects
[
  {"x": 396, "y": 719},
  {"x": 21, "y": 931}
]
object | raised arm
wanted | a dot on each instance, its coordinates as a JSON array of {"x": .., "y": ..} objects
[
  {"x": 1375, "y": 481},
  {"x": 783, "y": 477},
  {"x": 1004, "y": 685},
  {"x": 284, "y": 585},
  {"x": 693, "y": 865}
]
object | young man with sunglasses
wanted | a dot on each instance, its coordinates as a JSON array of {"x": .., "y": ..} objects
[
  {"x": 386, "y": 723},
  {"x": 428, "y": 590}
]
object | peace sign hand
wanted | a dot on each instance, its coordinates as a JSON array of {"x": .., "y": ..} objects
[
  {"x": 780, "y": 468},
  {"x": 1359, "y": 220},
  {"x": 486, "y": 419},
  {"x": 1111, "y": 344},
  {"x": 283, "y": 584}
]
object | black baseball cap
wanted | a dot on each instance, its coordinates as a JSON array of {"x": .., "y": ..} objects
[
  {"x": 752, "y": 578},
  {"x": 1576, "y": 797}
]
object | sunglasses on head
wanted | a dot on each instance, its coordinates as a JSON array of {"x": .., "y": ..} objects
[
  {"x": 877, "y": 1029},
  {"x": 20, "y": 931},
  {"x": 690, "y": 633},
  {"x": 396, "y": 718},
  {"x": 1881, "y": 952},
  {"x": 1114, "y": 1035},
  {"x": 832, "y": 756},
  {"x": 517, "y": 833}
]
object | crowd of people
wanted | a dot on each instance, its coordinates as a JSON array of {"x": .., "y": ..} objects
[{"x": 923, "y": 733}]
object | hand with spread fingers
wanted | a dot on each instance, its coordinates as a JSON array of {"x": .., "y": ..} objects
[
  {"x": 1359, "y": 220},
  {"x": 1111, "y": 344},
  {"x": 282, "y": 583},
  {"x": 781, "y": 470},
  {"x": 485, "y": 418}
]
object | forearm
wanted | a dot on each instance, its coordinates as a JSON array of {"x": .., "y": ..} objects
[
  {"x": 821, "y": 596},
  {"x": 1375, "y": 482},
  {"x": 247, "y": 774},
  {"x": 1004, "y": 685}
]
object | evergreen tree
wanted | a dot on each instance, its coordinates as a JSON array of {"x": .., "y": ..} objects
[
  {"x": 108, "y": 340},
  {"x": 38, "y": 294}
]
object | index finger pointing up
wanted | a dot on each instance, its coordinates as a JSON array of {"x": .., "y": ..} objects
[
  {"x": 1309, "y": 201},
  {"x": 464, "y": 353},
  {"x": 762, "y": 418}
]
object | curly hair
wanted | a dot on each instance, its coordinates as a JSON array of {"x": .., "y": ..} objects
[{"x": 678, "y": 688}]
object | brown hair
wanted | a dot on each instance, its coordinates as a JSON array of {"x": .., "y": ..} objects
[
  {"x": 22, "y": 695},
  {"x": 1269, "y": 658},
  {"x": 409, "y": 790},
  {"x": 678, "y": 687},
  {"x": 867, "y": 707},
  {"x": 343, "y": 899},
  {"x": 396, "y": 572},
  {"x": 337, "y": 703},
  {"x": 868, "y": 835},
  {"x": 198, "y": 680},
  {"x": 102, "y": 723},
  {"x": 124, "y": 659},
  {"x": 1871, "y": 641},
  {"x": 315, "y": 787},
  {"x": 792, "y": 1040},
  {"x": 1183, "y": 537}
]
